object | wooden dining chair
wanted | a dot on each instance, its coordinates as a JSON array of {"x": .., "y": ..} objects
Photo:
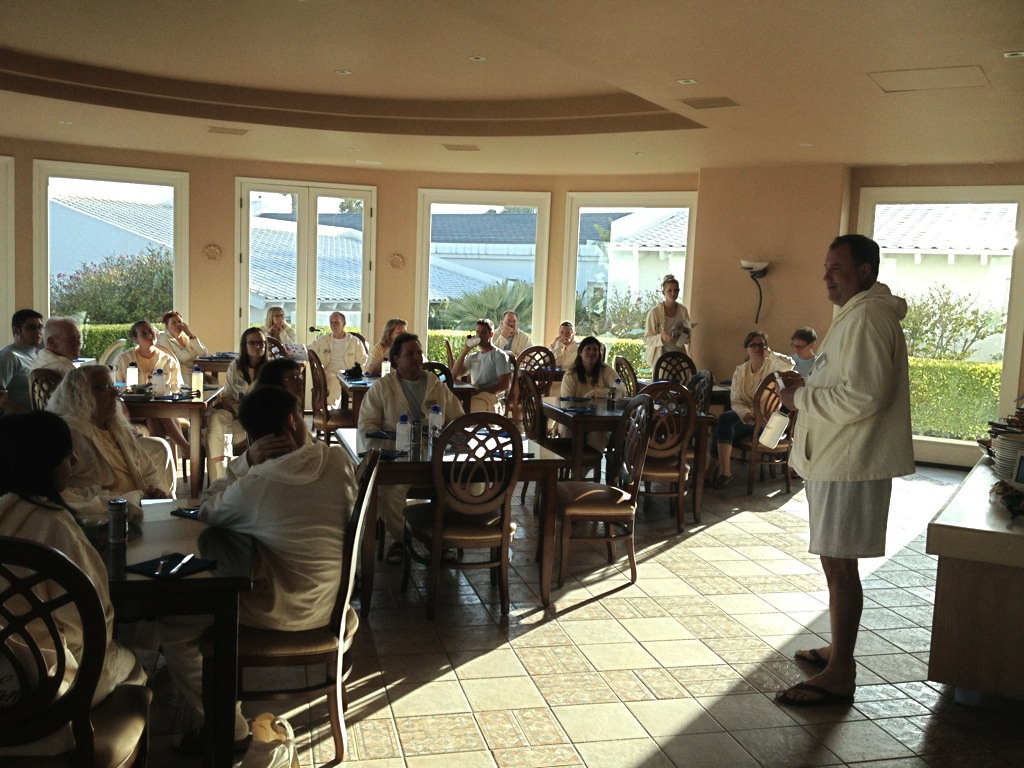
[
  {"x": 448, "y": 351},
  {"x": 674, "y": 366},
  {"x": 362, "y": 340},
  {"x": 475, "y": 467},
  {"x": 442, "y": 371},
  {"x": 700, "y": 386},
  {"x": 41, "y": 383},
  {"x": 325, "y": 419},
  {"x": 539, "y": 364},
  {"x": 675, "y": 422},
  {"x": 767, "y": 402},
  {"x": 275, "y": 348},
  {"x": 327, "y": 646},
  {"x": 624, "y": 370},
  {"x": 606, "y": 512},
  {"x": 38, "y": 584}
]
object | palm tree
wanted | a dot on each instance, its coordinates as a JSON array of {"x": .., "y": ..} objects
[{"x": 491, "y": 301}]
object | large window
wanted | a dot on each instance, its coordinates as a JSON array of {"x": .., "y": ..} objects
[
  {"x": 619, "y": 248},
  {"x": 953, "y": 254},
  {"x": 307, "y": 249},
  {"x": 110, "y": 245},
  {"x": 482, "y": 253}
]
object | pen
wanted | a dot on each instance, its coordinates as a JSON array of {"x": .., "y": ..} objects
[{"x": 184, "y": 560}]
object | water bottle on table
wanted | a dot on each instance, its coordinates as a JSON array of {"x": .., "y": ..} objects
[{"x": 403, "y": 434}]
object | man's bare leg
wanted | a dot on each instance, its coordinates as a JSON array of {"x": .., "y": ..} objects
[{"x": 846, "y": 603}]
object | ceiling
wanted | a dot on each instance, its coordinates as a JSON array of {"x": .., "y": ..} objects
[{"x": 565, "y": 86}]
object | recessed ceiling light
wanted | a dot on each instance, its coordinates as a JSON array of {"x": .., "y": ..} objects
[
  {"x": 687, "y": 81},
  {"x": 343, "y": 71},
  {"x": 478, "y": 58},
  {"x": 1014, "y": 55}
]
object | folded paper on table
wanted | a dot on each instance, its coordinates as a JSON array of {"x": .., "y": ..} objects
[{"x": 171, "y": 561}]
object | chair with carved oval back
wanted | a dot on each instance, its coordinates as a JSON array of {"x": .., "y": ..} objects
[
  {"x": 625, "y": 371},
  {"x": 674, "y": 366}
]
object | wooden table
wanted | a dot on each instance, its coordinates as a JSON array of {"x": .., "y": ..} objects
[
  {"x": 213, "y": 365},
  {"x": 605, "y": 419},
  {"x": 192, "y": 410},
  {"x": 353, "y": 392},
  {"x": 215, "y": 592},
  {"x": 976, "y": 628},
  {"x": 542, "y": 467}
]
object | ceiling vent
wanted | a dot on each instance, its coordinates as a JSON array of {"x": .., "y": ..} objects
[
  {"x": 710, "y": 102},
  {"x": 461, "y": 147},
  {"x": 228, "y": 131}
]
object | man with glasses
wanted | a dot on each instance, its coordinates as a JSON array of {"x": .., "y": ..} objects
[
  {"x": 17, "y": 357},
  {"x": 803, "y": 341},
  {"x": 62, "y": 345},
  {"x": 852, "y": 437}
]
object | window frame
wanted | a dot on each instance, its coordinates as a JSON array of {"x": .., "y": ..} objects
[
  {"x": 938, "y": 450},
  {"x": 539, "y": 200},
  {"x": 7, "y": 296},
  {"x": 44, "y": 170},
  {"x": 577, "y": 200},
  {"x": 305, "y": 270}
]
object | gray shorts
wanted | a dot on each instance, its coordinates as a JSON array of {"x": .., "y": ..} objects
[{"x": 848, "y": 518}]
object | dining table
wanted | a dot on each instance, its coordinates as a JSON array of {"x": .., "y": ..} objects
[
  {"x": 180, "y": 407},
  {"x": 597, "y": 415},
  {"x": 216, "y": 592},
  {"x": 540, "y": 465},
  {"x": 214, "y": 365},
  {"x": 354, "y": 390}
]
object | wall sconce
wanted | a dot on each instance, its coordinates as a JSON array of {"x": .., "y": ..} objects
[{"x": 757, "y": 269}]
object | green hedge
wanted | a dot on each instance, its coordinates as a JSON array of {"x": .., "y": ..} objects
[
  {"x": 953, "y": 398},
  {"x": 96, "y": 338}
]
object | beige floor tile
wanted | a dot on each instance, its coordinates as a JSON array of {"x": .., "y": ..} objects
[
  {"x": 673, "y": 716},
  {"x": 416, "y": 668},
  {"x": 598, "y": 722},
  {"x": 627, "y": 753},
  {"x": 502, "y": 693},
  {"x": 618, "y": 656},
  {"x": 439, "y": 734},
  {"x": 664, "y": 628},
  {"x": 486, "y": 638},
  {"x": 741, "y": 568},
  {"x": 707, "y": 750},
  {"x": 538, "y": 757},
  {"x": 411, "y": 699},
  {"x": 600, "y": 631},
  {"x": 736, "y": 604},
  {"x": 373, "y": 740},
  {"x": 769, "y": 623},
  {"x": 502, "y": 662},
  {"x": 746, "y": 711},
  {"x": 530, "y": 727},
  {"x": 858, "y": 741},
  {"x": 785, "y": 747},
  {"x": 666, "y": 588},
  {"x": 681, "y": 653},
  {"x": 482, "y": 759},
  {"x": 554, "y": 659},
  {"x": 574, "y": 688}
]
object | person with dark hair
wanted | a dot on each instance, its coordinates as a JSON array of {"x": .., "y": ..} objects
[
  {"x": 739, "y": 420},
  {"x": 149, "y": 359},
  {"x": 178, "y": 339},
  {"x": 293, "y": 496},
  {"x": 115, "y": 463},
  {"x": 489, "y": 368},
  {"x": 411, "y": 391},
  {"x": 852, "y": 436},
  {"x": 565, "y": 347},
  {"x": 803, "y": 340},
  {"x": 238, "y": 380},
  {"x": 668, "y": 324},
  {"x": 338, "y": 351},
  {"x": 17, "y": 357},
  {"x": 36, "y": 459},
  {"x": 283, "y": 372},
  {"x": 588, "y": 376},
  {"x": 62, "y": 345}
]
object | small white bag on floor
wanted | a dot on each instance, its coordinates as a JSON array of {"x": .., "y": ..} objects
[{"x": 273, "y": 744}]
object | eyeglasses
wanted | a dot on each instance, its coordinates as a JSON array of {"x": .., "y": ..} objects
[
  {"x": 33, "y": 326},
  {"x": 799, "y": 346},
  {"x": 757, "y": 345},
  {"x": 256, "y": 343}
]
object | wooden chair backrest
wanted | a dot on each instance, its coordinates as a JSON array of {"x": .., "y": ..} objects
[
  {"x": 275, "y": 348},
  {"x": 675, "y": 418},
  {"x": 624, "y": 370},
  {"x": 442, "y": 371},
  {"x": 530, "y": 409},
  {"x": 674, "y": 366},
  {"x": 366, "y": 479},
  {"x": 362, "y": 340},
  {"x": 629, "y": 445},
  {"x": 767, "y": 401},
  {"x": 700, "y": 386},
  {"x": 539, "y": 362},
  {"x": 476, "y": 466},
  {"x": 112, "y": 351},
  {"x": 319, "y": 376},
  {"x": 41, "y": 383}
]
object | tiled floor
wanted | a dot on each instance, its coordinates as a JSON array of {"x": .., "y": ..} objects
[{"x": 677, "y": 670}]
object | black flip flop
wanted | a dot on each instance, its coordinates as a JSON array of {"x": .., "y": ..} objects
[
  {"x": 826, "y": 698},
  {"x": 811, "y": 657}
]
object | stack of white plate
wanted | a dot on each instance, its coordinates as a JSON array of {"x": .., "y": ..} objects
[{"x": 1006, "y": 449}]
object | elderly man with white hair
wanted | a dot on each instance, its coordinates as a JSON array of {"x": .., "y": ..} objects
[
  {"x": 338, "y": 351},
  {"x": 62, "y": 345}
]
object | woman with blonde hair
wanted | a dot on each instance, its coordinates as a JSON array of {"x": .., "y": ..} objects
[
  {"x": 668, "y": 324},
  {"x": 112, "y": 462},
  {"x": 278, "y": 328},
  {"x": 382, "y": 350}
]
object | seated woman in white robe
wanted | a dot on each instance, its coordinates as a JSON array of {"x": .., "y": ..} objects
[
  {"x": 36, "y": 460},
  {"x": 112, "y": 461}
]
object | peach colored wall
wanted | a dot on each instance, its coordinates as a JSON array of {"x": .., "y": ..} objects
[{"x": 786, "y": 215}]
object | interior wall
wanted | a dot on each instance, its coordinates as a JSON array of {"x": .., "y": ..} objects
[{"x": 785, "y": 215}]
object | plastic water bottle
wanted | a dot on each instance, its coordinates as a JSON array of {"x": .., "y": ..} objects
[
  {"x": 197, "y": 381},
  {"x": 131, "y": 376},
  {"x": 159, "y": 383},
  {"x": 117, "y": 537},
  {"x": 435, "y": 421},
  {"x": 385, "y": 368},
  {"x": 620, "y": 390},
  {"x": 403, "y": 434}
]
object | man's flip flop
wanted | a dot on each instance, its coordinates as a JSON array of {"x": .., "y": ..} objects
[
  {"x": 812, "y": 657},
  {"x": 825, "y": 698}
]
